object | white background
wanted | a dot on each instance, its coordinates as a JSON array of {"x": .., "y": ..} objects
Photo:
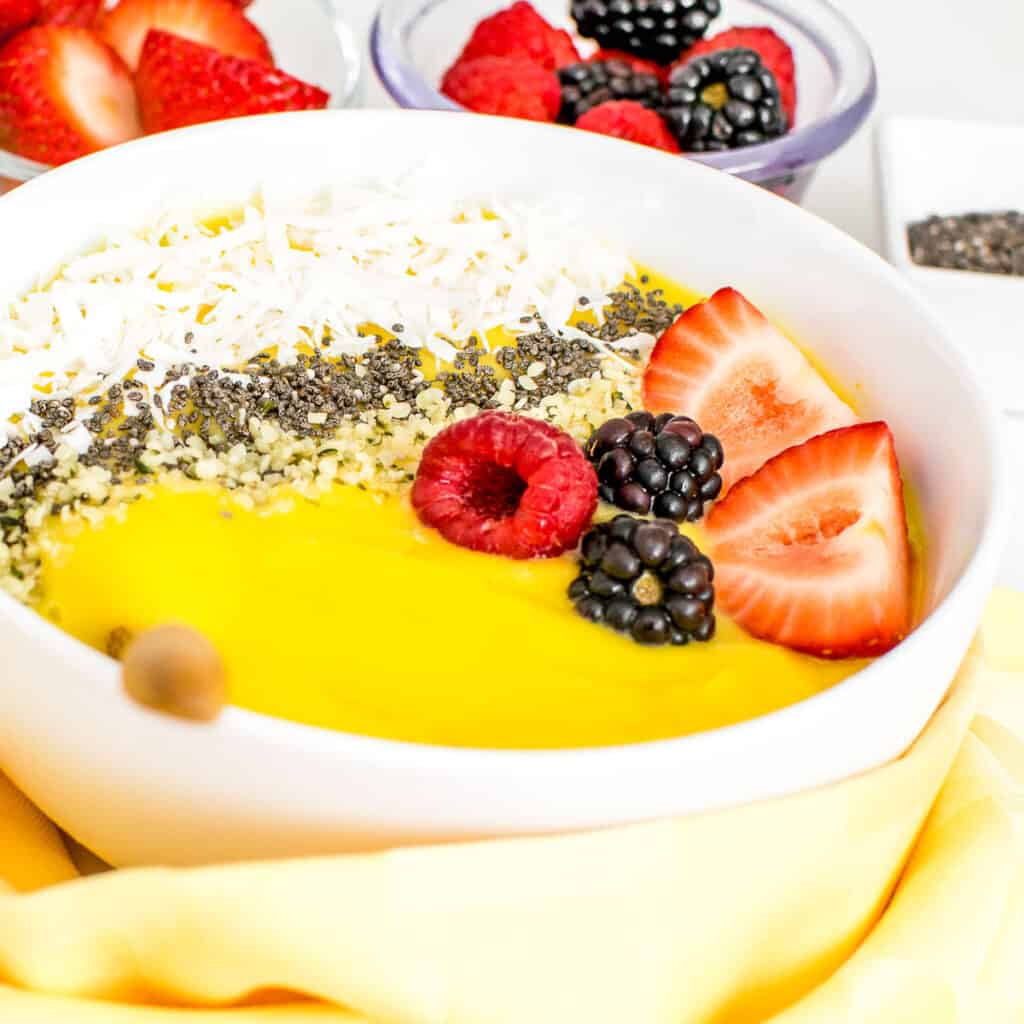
[{"x": 942, "y": 58}]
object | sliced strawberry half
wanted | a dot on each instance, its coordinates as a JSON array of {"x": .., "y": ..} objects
[
  {"x": 181, "y": 83},
  {"x": 217, "y": 23},
  {"x": 16, "y": 14},
  {"x": 63, "y": 93},
  {"x": 723, "y": 364},
  {"x": 83, "y": 13},
  {"x": 812, "y": 551}
]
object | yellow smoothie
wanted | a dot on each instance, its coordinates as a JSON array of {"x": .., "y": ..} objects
[{"x": 347, "y": 613}]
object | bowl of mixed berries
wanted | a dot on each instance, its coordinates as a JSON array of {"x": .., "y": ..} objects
[
  {"x": 763, "y": 89},
  {"x": 77, "y": 76}
]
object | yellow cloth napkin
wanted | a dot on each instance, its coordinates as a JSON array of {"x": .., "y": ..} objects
[{"x": 896, "y": 896}]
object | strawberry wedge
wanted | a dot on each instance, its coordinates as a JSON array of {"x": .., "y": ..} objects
[
  {"x": 724, "y": 365},
  {"x": 181, "y": 83},
  {"x": 217, "y": 23},
  {"x": 63, "y": 93},
  {"x": 16, "y": 14},
  {"x": 811, "y": 551}
]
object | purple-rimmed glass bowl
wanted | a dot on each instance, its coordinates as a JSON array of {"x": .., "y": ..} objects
[{"x": 413, "y": 42}]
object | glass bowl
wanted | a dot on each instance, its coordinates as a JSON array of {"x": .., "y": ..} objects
[
  {"x": 413, "y": 42},
  {"x": 310, "y": 40}
]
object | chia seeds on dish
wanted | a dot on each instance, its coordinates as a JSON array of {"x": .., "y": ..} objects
[{"x": 987, "y": 243}]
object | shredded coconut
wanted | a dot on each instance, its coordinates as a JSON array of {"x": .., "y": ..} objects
[{"x": 432, "y": 269}]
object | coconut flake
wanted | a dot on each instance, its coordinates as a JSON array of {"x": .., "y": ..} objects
[{"x": 286, "y": 273}]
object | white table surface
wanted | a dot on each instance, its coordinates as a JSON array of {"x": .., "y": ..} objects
[{"x": 936, "y": 58}]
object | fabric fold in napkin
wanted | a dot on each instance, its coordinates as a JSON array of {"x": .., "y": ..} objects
[{"x": 896, "y": 896}]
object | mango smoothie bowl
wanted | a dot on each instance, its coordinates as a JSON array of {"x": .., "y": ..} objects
[{"x": 452, "y": 483}]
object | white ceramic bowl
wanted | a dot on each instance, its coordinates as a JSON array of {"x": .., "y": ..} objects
[{"x": 138, "y": 788}]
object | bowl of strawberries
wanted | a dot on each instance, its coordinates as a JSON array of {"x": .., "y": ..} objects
[
  {"x": 762, "y": 89},
  {"x": 77, "y": 76}
]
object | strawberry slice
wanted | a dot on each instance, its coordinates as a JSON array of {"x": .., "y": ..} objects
[
  {"x": 181, "y": 83},
  {"x": 83, "y": 13},
  {"x": 16, "y": 14},
  {"x": 217, "y": 23},
  {"x": 812, "y": 552},
  {"x": 63, "y": 93},
  {"x": 723, "y": 364}
]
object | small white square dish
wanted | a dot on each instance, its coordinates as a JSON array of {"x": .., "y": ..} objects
[{"x": 948, "y": 168}]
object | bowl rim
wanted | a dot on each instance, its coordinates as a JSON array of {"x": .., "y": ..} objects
[
  {"x": 856, "y": 90},
  {"x": 21, "y": 169},
  {"x": 252, "y": 725}
]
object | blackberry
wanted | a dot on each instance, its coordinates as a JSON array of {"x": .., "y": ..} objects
[
  {"x": 724, "y": 100},
  {"x": 657, "y": 30},
  {"x": 587, "y": 85},
  {"x": 645, "y": 579},
  {"x": 665, "y": 464}
]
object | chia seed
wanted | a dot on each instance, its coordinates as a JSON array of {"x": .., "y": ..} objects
[
  {"x": 564, "y": 360},
  {"x": 987, "y": 243},
  {"x": 631, "y": 309}
]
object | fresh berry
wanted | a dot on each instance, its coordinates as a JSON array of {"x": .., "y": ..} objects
[
  {"x": 217, "y": 23},
  {"x": 181, "y": 83},
  {"x": 592, "y": 83},
  {"x": 83, "y": 13},
  {"x": 725, "y": 100},
  {"x": 520, "y": 32},
  {"x": 742, "y": 380},
  {"x": 657, "y": 30},
  {"x": 506, "y": 484},
  {"x": 773, "y": 50},
  {"x": 17, "y": 14},
  {"x": 664, "y": 464},
  {"x": 627, "y": 119},
  {"x": 506, "y": 86},
  {"x": 63, "y": 93},
  {"x": 812, "y": 549},
  {"x": 644, "y": 579},
  {"x": 647, "y": 67}
]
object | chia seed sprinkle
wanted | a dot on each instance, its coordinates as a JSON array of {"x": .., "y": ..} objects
[
  {"x": 987, "y": 243},
  {"x": 632, "y": 310},
  {"x": 563, "y": 360}
]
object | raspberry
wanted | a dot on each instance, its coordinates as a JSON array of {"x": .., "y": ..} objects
[
  {"x": 506, "y": 484},
  {"x": 505, "y": 86},
  {"x": 519, "y": 31},
  {"x": 627, "y": 119},
  {"x": 773, "y": 50}
]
